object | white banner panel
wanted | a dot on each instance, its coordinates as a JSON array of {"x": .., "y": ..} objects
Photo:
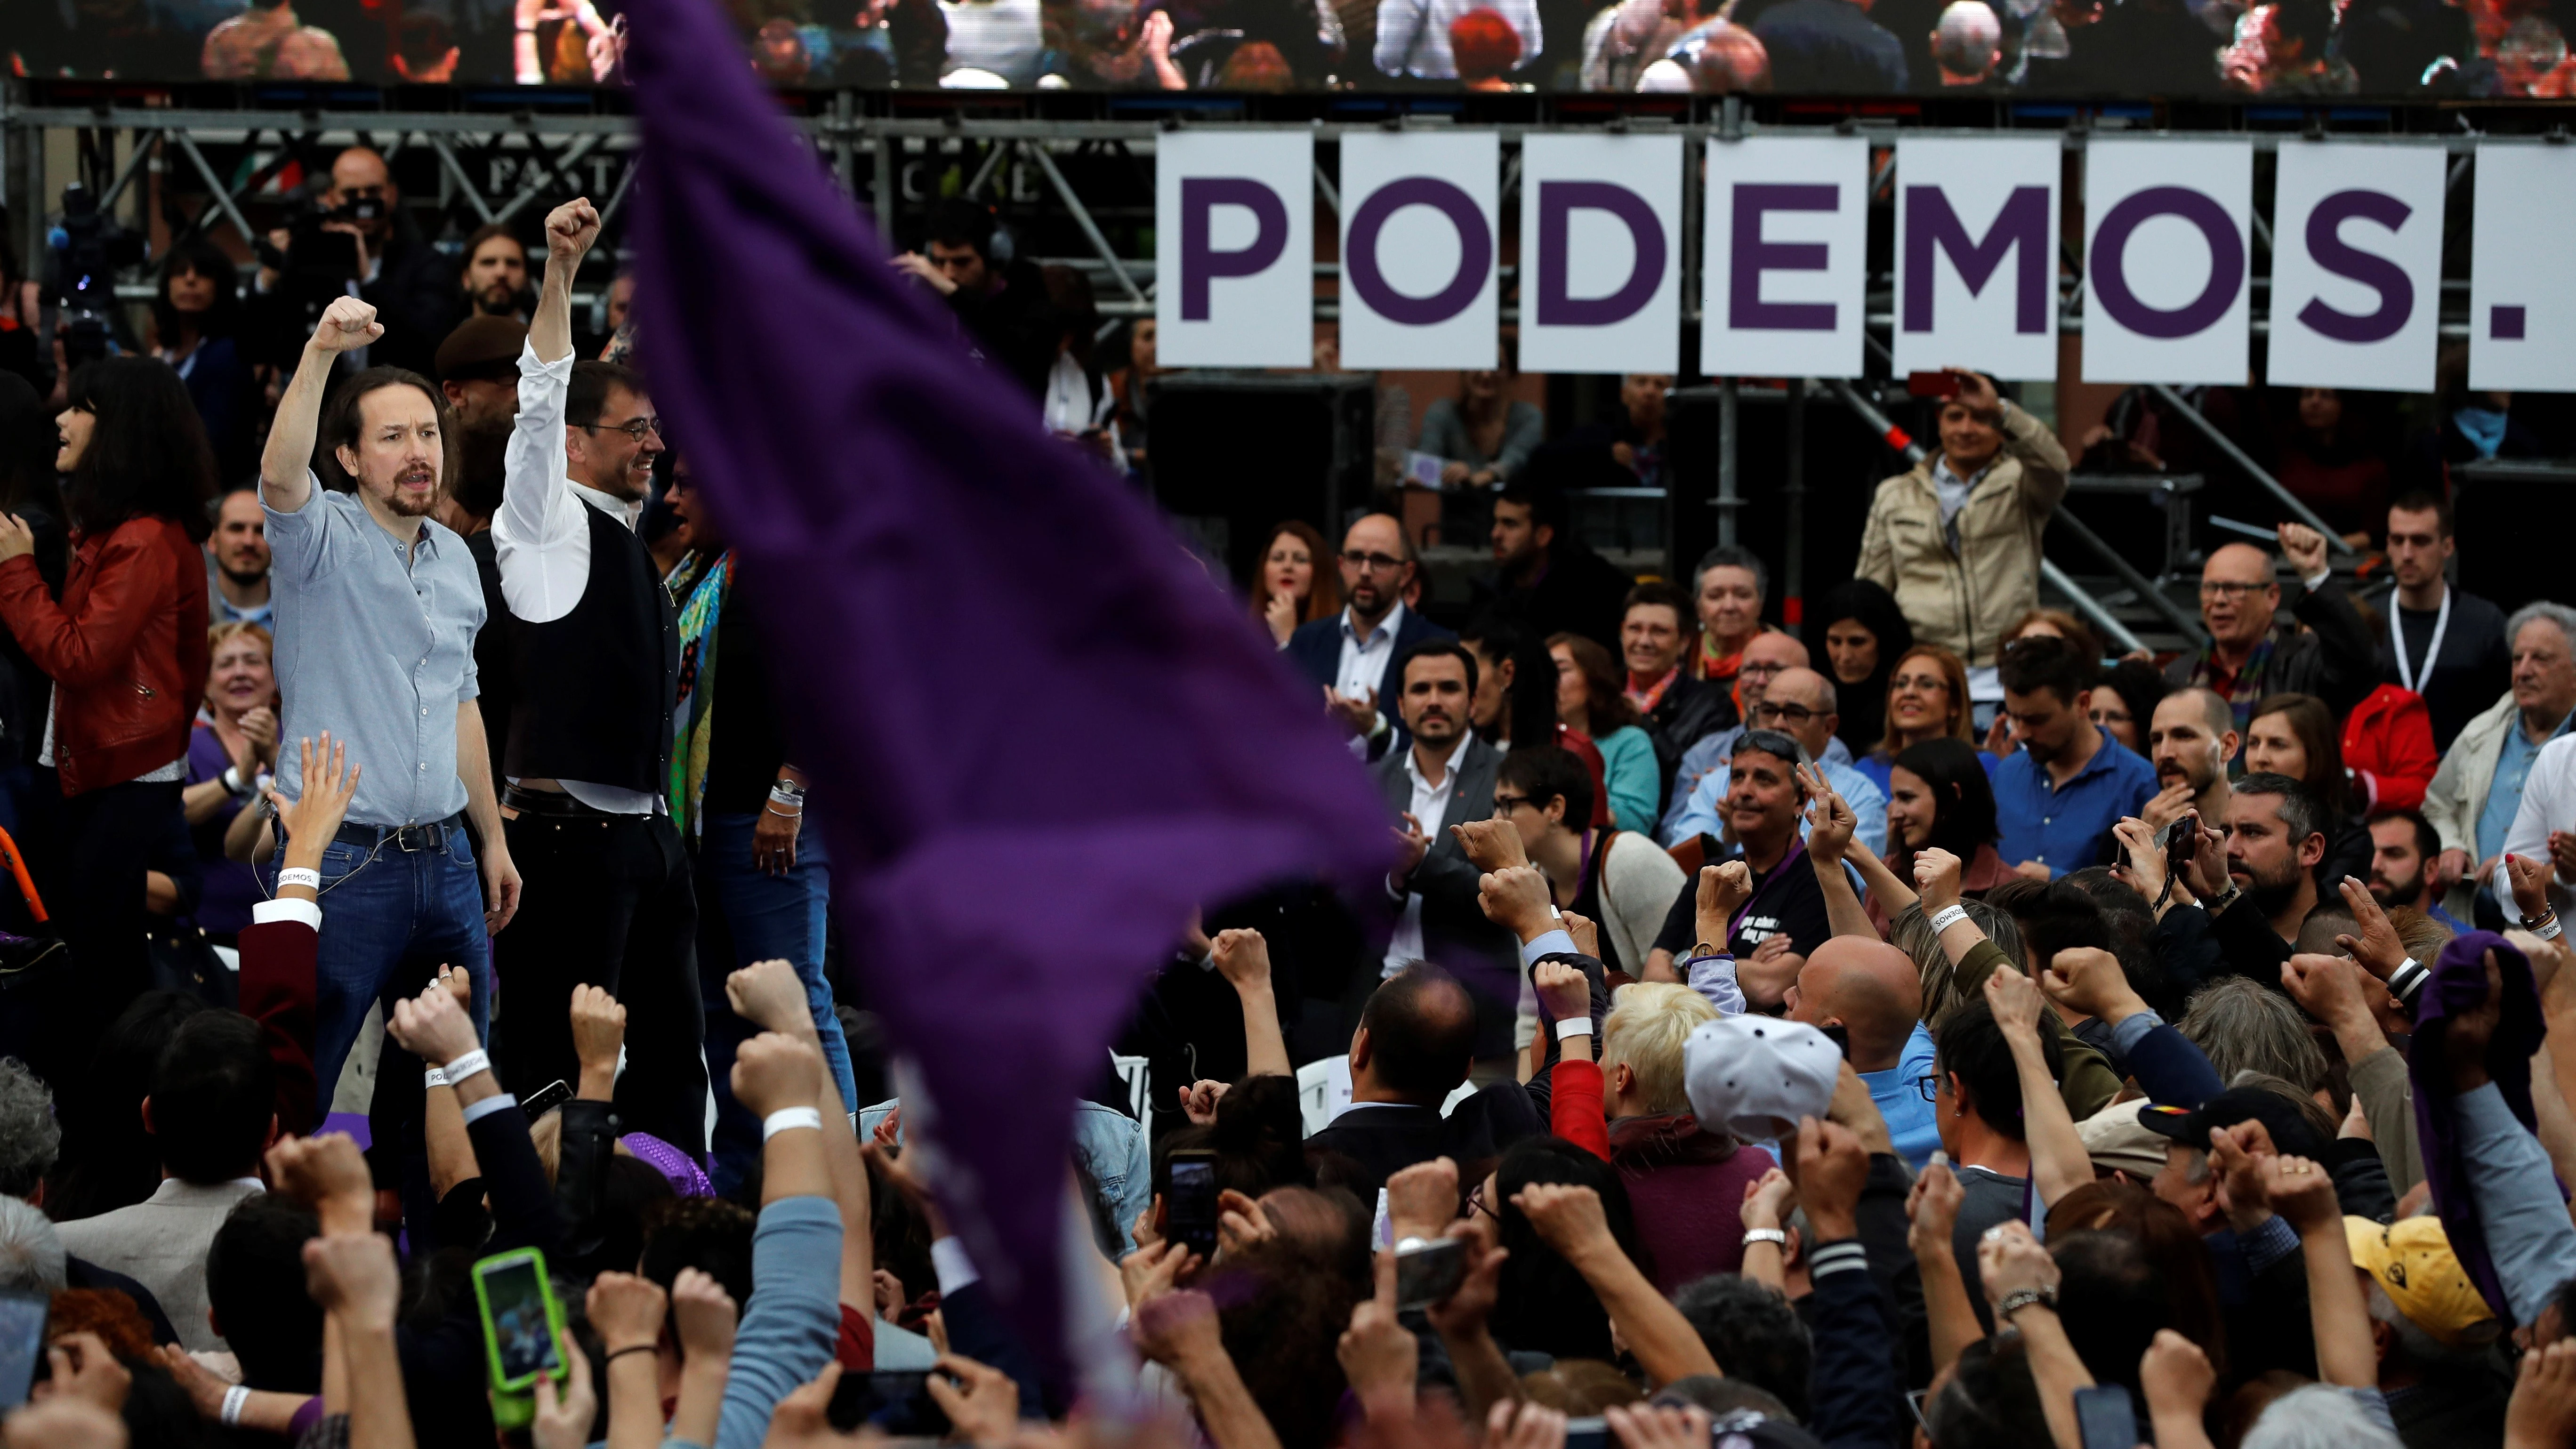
[
  {"x": 2357, "y": 266},
  {"x": 1601, "y": 235},
  {"x": 2166, "y": 281},
  {"x": 1784, "y": 260},
  {"x": 1420, "y": 229},
  {"x": 1234, "y": 248},
  {"x": 1976, "y": 255},
  {"x": 2522, "y": 293}
]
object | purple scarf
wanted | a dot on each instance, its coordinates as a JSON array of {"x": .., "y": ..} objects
[{"x": 2458, "y": 986}]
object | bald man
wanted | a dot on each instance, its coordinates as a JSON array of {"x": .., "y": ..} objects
[
  {"x": 2335, "y": 659},
  {"x": 1768, "y": 653},
  {"x": 2190, "y": 741},
  {"x": 1872, "y": 991},
  {"x": 1351, "y": 656},
  {"x": 411, "y": 286}
]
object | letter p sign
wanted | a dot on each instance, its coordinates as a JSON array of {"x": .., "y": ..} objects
[{"x": 1234, "y": 226}]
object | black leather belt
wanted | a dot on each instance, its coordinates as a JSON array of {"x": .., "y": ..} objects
[
  {"x": 548, "y": 802},
  {"x": 406, "y": 837}
]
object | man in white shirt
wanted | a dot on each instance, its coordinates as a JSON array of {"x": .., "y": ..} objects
[
  {"x": 1353, "y": 655},
  {"x": 596, "y": 649},
  {"x": 1442, "y": 778}
]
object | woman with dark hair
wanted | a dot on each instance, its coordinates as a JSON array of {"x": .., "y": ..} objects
[
  {"x": 1592, "y": 700},
  {"x": 1938, "y": 797},
  {"x": 2296, "y": 735},
  {"x": 1927, "y": 699},
  {"x": 2124, "y": 702},
  {"x": 1545, "y": 1306},
  {"x": 1483, "y": 436},
  {"x": 1860, "y": 634},
  {"x": 126, "y": 649},
  {"x": 195, "y": 316},
  {"x": 1298, "y": 583}
]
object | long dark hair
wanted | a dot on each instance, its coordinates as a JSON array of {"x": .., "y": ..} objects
[
  {"x": 26, "y": 450},
  {"x": 1606, "y": 707},
  {"x": 2314, "y": 724},
  {"x": 1963, "y": 810},
  {"x": 1545, "y": 1305},
  {"x": 223, "y": 317},
  {"x": 1861, "y": 703},
  {"x": 147, "y": 455}
]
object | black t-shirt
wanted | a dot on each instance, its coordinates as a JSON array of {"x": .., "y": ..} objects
[
  {"x": 1786, "y": 899},
  {"x": 748, "y": 746}
]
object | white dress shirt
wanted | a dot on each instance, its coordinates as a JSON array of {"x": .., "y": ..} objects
[
  {"x": 1430, "y": 810},
  {"x": 541, "y": 536},
  {"x": 2548, "y": 803}
]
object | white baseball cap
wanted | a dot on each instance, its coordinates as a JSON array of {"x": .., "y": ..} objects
[{"x": 1755, "y": 1076}]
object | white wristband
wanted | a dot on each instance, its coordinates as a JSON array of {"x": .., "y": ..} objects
[
  {"x": 468, "y": 1065},
  {"x": 432, "y": 1077},
  {"x": 1574, "y": 1026},
  {"x": 1948, "y": 916},
  {"x": 2548, "y": 930},
  {"x": 790, "y": 1119},
  {"x": 299, "y": 875},
  {"x": 234, "y": 1398}
]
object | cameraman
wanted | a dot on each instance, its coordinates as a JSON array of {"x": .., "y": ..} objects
[{"x": 384, "y": 263}]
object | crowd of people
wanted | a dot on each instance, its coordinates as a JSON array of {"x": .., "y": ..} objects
[
  {"x": 2177, "y": 48},
  {"x": 1917, "y": 1028}
]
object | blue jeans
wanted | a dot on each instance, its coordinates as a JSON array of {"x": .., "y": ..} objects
[
  {"x": 390, "y": 919},
  {"x": 747, "y": 915}
]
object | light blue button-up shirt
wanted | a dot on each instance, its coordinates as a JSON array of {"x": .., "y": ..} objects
[
  {"x": 2504, "y": 793},
  {"x": 1699, "y": 814},
  {"x": 375, "y": 643}
]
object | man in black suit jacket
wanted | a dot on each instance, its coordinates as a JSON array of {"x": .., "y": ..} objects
[
  {"x": 1444, "y": 775},
  {"x": 1353, "y": 654},
  {"x": 1414, "y": 1045},
  {"x": 1412, "y": 1050}
]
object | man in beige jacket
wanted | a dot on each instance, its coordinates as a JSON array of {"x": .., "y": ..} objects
[{"x": 1957, "y": 538}]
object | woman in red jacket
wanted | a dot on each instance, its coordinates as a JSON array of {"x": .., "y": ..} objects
[{"x": 126, "y": 649}]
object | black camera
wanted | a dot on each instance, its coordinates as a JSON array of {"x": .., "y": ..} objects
[{"x": 88, "y": 248}]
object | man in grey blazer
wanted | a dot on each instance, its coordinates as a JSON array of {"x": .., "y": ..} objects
[
  {"x": 1445, "y": 777},
  {"x": 212, "y": 1112}
]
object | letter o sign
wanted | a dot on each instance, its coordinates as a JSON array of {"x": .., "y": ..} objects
[
  {"x": 2226, "y": 262},
  {"x": 1475, "y": 251}
]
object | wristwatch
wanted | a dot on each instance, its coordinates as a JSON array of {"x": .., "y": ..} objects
[
  {"x": 2218, "y": 904},
  {"x": 2021, "y": 1298}
]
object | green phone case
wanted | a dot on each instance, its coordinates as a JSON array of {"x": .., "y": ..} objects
[{"x": 501, "y": 1382}]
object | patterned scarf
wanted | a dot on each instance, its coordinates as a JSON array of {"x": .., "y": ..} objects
[
  {"x": 1646, "y": 699},
  {"x": 2245, "y": 688},
  {"x": 698, "y": 590}
]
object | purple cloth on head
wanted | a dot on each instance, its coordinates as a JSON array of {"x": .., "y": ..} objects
[
  {"x": 687, "y": 1178},
  {"x": 2458, "y": 986},
  {"x": 1038, "y": 732}
]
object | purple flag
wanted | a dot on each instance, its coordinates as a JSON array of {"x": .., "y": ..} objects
[{"x": 1039, "y": 732}]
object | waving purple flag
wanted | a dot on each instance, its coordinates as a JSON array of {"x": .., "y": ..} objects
[{"x": 1038, "y": 732}]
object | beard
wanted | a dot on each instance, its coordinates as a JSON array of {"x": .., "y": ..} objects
[
  {"x": 2391, "y": 895},
  {"x": 497, "y": 301},
  {"x": 2270, "y": 893}
]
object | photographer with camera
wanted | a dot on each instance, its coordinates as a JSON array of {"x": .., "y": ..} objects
[{"x": 356, "y": 242}]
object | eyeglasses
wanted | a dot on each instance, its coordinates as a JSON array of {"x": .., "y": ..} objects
[
  {"x": 1476, "y": 1202},
  {"x": 633, "y": 428},
  {"x": 1788, "y": 714},
  {"x": 1929, "y": 1086},
  {"x": 2230, "y": 589},
  {"x": 1382, "y": 562},
  {"x": 1914, "y": 1401},
  {"x": 1506, "y": 804}
]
